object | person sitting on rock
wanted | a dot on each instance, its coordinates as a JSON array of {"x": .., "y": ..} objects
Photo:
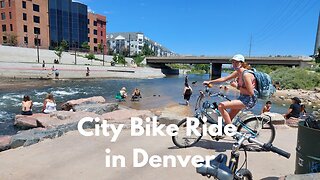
[
  {"x": 294, "y": 109},
  {"x": 49, "y": 104},
  {"x": 267, "y": 107},
  {"x": 26, "y": 106},
  {"x": 136, "y": 95}
]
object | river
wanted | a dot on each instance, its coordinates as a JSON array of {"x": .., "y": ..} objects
[{"x": 156, "y": 93}]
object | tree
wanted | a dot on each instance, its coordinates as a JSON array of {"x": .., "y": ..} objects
[
  {"x": 59, "y": 49},
  {"x": 90, "y": 56},
  {"x": 85, "y": 46},
  {"x": 11, "y": 39},
  {"x": 138, "y": 59},
  {"x": 122, "y": 60},
  {"x": 146, "y": 51},
  {"x": 100, "y": 47}
]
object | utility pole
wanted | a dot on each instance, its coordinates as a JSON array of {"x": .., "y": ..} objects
[
  {"x": 129, "y": 45},
  {"x": 75, "y": 53},
  {"x": 38, "y": 47},
  {"x": 104, "y": 46},
  {"x": 250, "y": 45},
  {"x": 317, "y": 45}
]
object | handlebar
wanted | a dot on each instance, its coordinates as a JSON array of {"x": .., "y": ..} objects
[
  {"x": 215, "y": 94},
  {"x": 269, "y": 147}
]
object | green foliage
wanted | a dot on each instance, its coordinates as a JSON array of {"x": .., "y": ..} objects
[
  {"x": 138, "y": 60},
  {"x": 85, "y": 46},
  {"x": 179, "y": 66},
  {"x": 90, "y": 56},
  {"x": 58, "y": 51},
  {"x": 267, "y": 68},
  {"x": 119, "y": 59},
  {"x": 64, "y": 44},
  {"x": 201, "y": 67},
  {"x": 146, "y": 51},
  {"x": 122, "y": 60},
  {"x": 296, "y": 78},
  {"x": 11, "y": 39}
]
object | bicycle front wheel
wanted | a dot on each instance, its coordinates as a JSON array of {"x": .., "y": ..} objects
[
  {"x": 260, "y": 128},
  {"x": 182, "y": 140}
]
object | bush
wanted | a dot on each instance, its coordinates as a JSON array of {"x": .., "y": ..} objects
[{"x": 296, "y": 78}]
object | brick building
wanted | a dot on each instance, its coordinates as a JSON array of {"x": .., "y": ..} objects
[
  {"x": 26, "y": 20},
  {"x": 97, "y": 31}
]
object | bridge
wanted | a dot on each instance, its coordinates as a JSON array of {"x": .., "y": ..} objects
[{"x": 216, "y": 61}]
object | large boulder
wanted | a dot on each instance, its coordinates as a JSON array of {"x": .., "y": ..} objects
[
  {"x": 124, "y": 115},
  {"x": 72, "y": 103},
  {"x": 96, "y": 107},
  {"x": 276, "y": 118},
  {"x": 5, "y": 142},
  {"x": 25, "y": 122}
]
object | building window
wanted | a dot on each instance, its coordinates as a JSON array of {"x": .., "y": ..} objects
[
  {"x": 4, "y": 39},
  {"x": 95, "y": 23},
  {"x": 3, "y": 16},
  {"x": 26, "y": 40},
  {"x": 95, "y": 49},
  {"x": 88, "y": 30},
  {"x": 37, "y": 43},
  {"x": 9, "y": 3},
  {"x": 24, "y": 16},
  {"x": 36, "y": 8},
  {"x": 25, "y": 28},
  {"x": 10, "y": 15},
  {"x": 88, "y": 21},
  {"x": 88, "y": 39},
  {"x": 4, "y": 28},
  {"x": 36, "y": 19},
  {"x": 101, "y": 33},
  {"x": 24, "y": 5},
  {"x": 2, "y": 5},
  {"x": 11, "y": 27},
  {"x": 95, "y": 40},
  {"x": 95, "y": 32},
  {"x": 36, "y": 30}
]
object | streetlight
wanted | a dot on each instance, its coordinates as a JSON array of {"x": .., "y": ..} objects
[
  {"x": 37, "y": 35},
  {"x": 75, "y": 53},
  {"x": 104, "y": 46}
]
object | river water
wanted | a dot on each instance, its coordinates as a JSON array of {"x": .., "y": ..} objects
[{"x": 155, "y": 93}]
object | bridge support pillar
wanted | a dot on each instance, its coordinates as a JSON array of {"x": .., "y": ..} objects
[{"x": 215, "y": 70}]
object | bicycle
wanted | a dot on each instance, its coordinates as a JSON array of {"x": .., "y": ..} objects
[
  {"x": 259, "y": 127},
  {"x": 218, "y": 168}
]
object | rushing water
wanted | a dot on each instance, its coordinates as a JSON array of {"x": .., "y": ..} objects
[{"x": 155, "y": 92}]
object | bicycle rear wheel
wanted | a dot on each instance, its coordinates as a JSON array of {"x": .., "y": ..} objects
[
  {"x": 260, "y": 128},
  {"x": 181, "y": 140}
]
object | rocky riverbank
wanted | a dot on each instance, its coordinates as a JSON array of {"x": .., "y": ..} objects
[{"x": 309, "y": 98}]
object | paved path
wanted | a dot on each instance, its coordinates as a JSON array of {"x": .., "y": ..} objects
[{"x": 74, "y": 156}]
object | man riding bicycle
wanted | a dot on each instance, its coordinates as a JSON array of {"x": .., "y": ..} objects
[{"x": 245, "y": 82}]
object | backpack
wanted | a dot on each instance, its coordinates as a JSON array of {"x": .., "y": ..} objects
[{"x": 264, "y": 84}]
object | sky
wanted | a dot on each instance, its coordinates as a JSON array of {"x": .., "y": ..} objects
[{"x": 218, "y": 27}]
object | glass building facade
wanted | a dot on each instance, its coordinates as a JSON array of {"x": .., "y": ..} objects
[{"x": 67, "y": 21}]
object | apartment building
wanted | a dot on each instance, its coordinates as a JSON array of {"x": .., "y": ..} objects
[
  {"x": 133, "y": 42},
  {"x": 24, "y": 23},
  {"x": 68, "y": 21},
  {"x": 97, "y": 32}
]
